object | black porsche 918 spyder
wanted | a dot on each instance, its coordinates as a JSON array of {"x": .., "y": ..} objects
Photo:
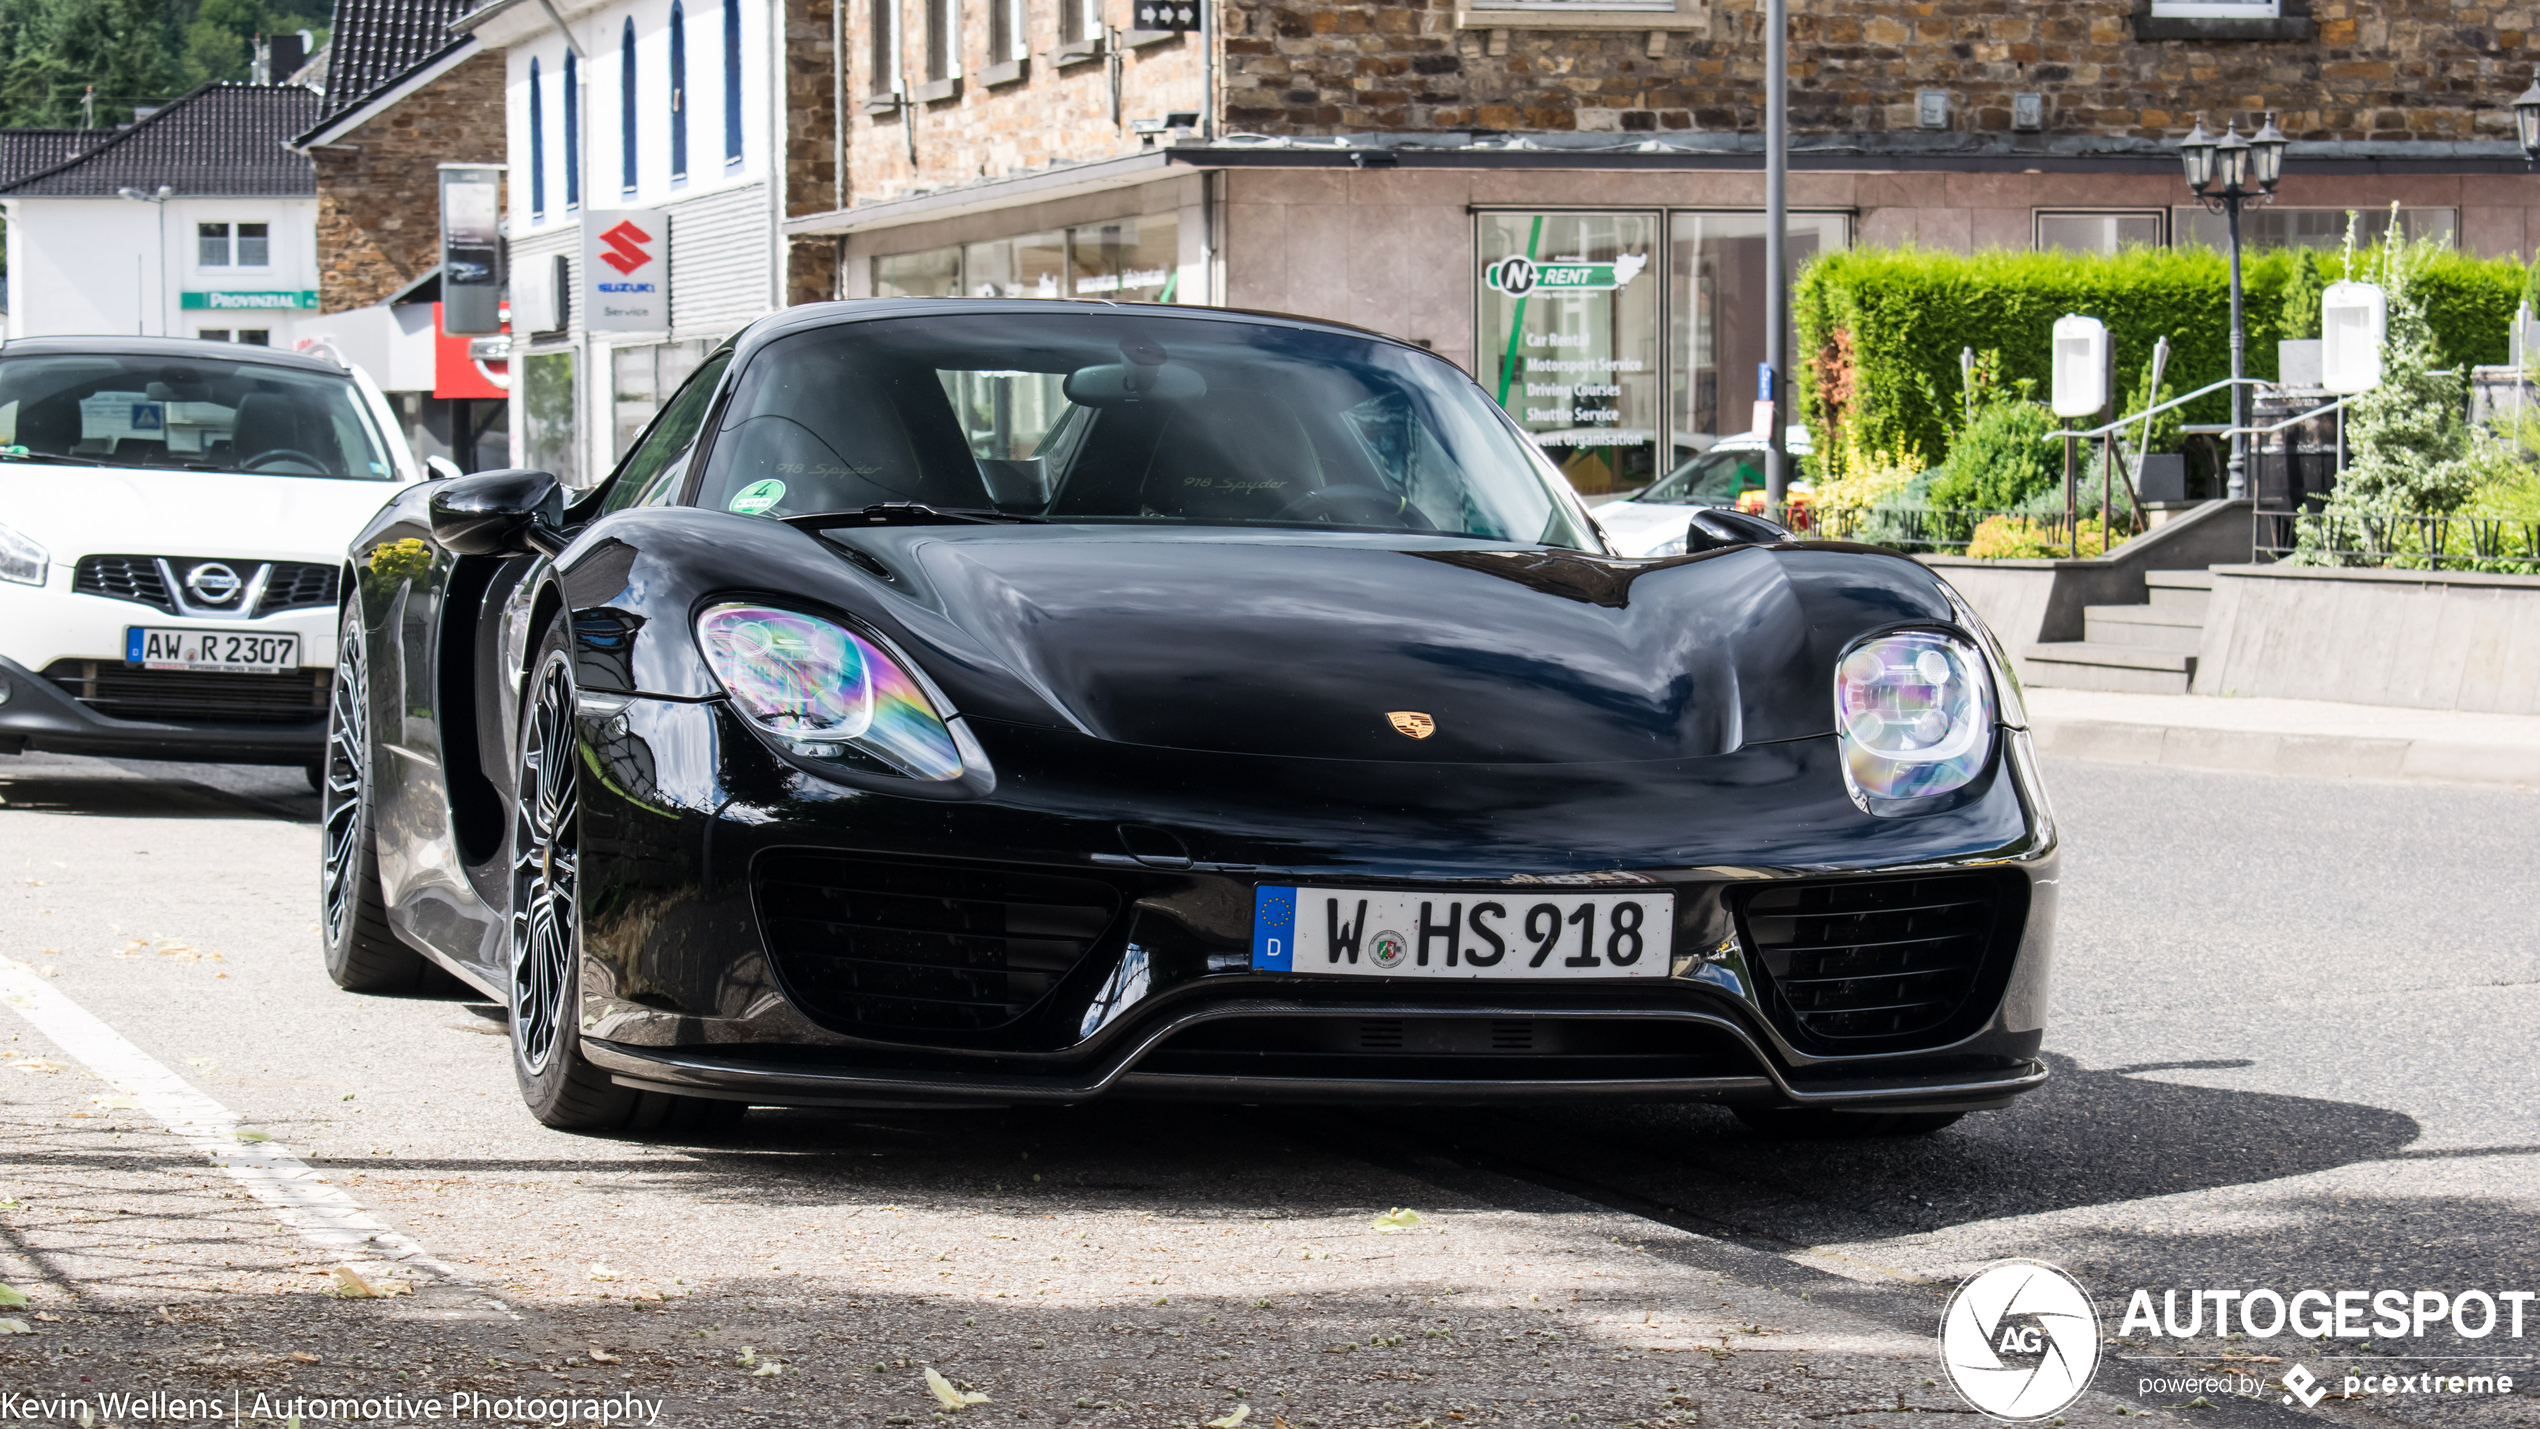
[{"x": 973, "y": 702}]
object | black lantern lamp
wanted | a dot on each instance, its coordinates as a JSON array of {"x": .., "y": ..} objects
[
  {"x": 2266, "y": 155},
  {"x": 2231, "y": 161},
  {"x": 2196, "y": 154},
  {"x": 2527, "y": 120}
]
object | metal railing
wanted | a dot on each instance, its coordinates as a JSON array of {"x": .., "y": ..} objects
[
  {"x": 1935, "y": 530},
  {"x": 2404, "y": 541}
]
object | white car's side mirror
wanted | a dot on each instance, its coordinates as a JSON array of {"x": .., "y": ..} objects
[{"x": 442, "y": 466}]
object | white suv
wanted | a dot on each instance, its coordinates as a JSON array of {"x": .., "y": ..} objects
[{"x": 173, "y": 521}]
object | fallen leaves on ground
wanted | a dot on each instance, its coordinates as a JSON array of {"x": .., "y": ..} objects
[
  {"x": 1399, "y": 1218},
  {"x": 16, "y": 1327},
  {"x": 350, "y": 1285},
  {"x": 11, "y": 1295},
  {"x": 949, "y": 1395},
  {"x": 1234, "y": 1420},
  {"x": 600, "y": 1271},
  {"x": 117, "y": 1101},
  {"x": 37, "y": 1064},
  {"x": 601, "y": 1356}
]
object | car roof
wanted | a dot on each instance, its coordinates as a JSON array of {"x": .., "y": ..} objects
[
  {"x": 850, "y": 310},
  {"x": 200, "y": 349}
]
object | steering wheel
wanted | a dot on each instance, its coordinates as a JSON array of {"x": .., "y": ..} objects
[
  {"x": 257, "y": 461},
  {"x": 1356, "y": 506}
]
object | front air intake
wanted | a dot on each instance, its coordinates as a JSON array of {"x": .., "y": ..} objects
[
  {"x": 1882, "y": 964},
  {"x": 881, "y": 944}
]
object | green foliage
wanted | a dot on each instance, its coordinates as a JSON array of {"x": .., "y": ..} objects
[
  {"x": 2302, "y": 289},
  {"x": 1883, "y": 326},
  {"x": 2409, "y": 438},
  {"x": 2167, "y": 428},
  {"x": 131, "y": 51},
  {"x": 2001, "y": 460}
]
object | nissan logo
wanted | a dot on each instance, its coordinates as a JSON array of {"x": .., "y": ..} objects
[{"x": 213, "y": 583}]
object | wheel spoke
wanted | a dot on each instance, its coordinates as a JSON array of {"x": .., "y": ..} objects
[{"x": 545, "y": 870}]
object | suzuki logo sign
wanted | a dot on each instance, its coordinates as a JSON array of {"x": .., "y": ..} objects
[{"x": 626, "y": 271}]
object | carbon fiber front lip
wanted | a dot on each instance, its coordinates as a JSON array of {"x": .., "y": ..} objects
[{"x": 772, "y": 1084}]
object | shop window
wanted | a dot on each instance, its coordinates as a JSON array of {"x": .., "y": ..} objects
[
  {"x": 1569, "y": 334},
  {"x": 548, "y": 428},
  {"x": 1715, "y": 310},
  {"x": 731, "y": 81},
  {"x": 639, "y": 378},
  {"x": 1129, "y": 260},
  {"x": 1032, "y": 266},
  {"x": 537, "y": 145},
  {"x": 626, "y": 106},
  {"x": 1135, "y": 260},
  {"x": 2098, "y": 231},
  {"x": 572, "y": 132},
  {"x": 2276, "y": 226},
  {"x": 678, "y": 90},
  {"x": 935, "y": 273}
]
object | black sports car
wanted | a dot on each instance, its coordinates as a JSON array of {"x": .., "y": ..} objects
[{"x": 1025, "y": 702}]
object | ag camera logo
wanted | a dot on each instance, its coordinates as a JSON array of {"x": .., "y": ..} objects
[{"x": 2020, "y": 1340}]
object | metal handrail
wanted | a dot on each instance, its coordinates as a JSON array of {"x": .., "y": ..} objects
[
  {"x": 2337, "y": 405},
  {"x": 2132, "y": 417}
]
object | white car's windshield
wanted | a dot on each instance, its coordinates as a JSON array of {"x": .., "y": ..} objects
[{"x": 188, "y": 413}]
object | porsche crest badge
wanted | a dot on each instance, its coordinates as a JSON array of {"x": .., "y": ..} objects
[{"x": 1412, "y": 723}]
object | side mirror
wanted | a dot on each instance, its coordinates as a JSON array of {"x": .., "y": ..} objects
[
  {"x": 1713, "y": 528},
  {"x": 500, "y": 513}
]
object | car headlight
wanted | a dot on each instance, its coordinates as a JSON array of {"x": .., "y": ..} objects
[
  {"x": 21, "y": 559},
  {"x": 1914, "y": 714},
  {"x": 822, "y": 689}
]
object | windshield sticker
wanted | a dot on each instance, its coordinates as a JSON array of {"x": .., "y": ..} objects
[{"x": 756, "y": 497}]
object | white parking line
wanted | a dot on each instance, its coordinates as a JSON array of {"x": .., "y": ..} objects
[{"x": 320, "y": 1212}]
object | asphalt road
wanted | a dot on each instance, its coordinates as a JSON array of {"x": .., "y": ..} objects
[{"x": 2292, "y": 1031}]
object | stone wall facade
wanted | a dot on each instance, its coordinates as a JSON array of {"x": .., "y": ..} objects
[
  {"x": 379, "y": 193},
  {"x": 2383, "y": 70}
]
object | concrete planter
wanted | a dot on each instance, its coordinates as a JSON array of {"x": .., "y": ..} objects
[
  {"x": 2440, "y": 640},
  {"x": 2035, "y": 602}
]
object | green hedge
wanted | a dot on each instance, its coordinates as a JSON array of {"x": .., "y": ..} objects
[{"x": 1881, "y": 328}]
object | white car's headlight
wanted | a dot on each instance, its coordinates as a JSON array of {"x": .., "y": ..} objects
[
  {"x": 822, "y": 689},
  {"x": 21, "y": 559},
  {"x": 1914, "y": 714}
]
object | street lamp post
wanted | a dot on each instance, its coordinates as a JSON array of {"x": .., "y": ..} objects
[
  {"x": 2527, "y": 121},
  {"x": 158, "y": 199},
  {"x": 2226, "y": 173}
]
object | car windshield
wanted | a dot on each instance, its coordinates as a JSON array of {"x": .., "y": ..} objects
[
  {"x": 1110, "y": 416},
  {"x": 191, "y": 413},
  {"x": 1716, "y": 478}
]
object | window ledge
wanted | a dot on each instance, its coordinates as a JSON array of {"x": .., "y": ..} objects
[
  {"x": 1013, "y": 71},
  {"x": 879, "y": 104},
  {"x": 1683, "y": 15},
  {"x": 935, "y": 91},
  {"x": 1140, "y": 39},
  {"x": 1074, "y": 52}
]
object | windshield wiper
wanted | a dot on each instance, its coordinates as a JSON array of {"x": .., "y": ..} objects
[
  {"x": 22, "y": 454},
  {"x": 907, "y": 513}
]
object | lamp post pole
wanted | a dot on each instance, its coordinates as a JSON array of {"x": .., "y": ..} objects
[
  {"x": 1776, "y": 255},
  {"x": 157, "y": 198},
  {"x": 2226, "y": 174}
]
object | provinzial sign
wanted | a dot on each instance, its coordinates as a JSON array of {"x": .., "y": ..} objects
[
  {"x": 626, "y": 270},
  {"x": 1518, "y": 275},
  {"x": 248, "y": 302}
]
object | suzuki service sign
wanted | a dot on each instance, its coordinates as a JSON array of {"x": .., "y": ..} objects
[{"x": 626, "y": 270}]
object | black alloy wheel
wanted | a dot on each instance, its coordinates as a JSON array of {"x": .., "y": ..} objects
[
  {"x": 562, "y": 1087},
  {"x": 362, "y": 953}
]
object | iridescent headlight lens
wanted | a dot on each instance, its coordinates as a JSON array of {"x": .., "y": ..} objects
[
  {"x": 1914, "y": 713},
  {"x": 822, "y": 688}
]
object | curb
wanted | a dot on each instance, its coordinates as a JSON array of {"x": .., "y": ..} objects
[{"x": 2317, "y": 756}]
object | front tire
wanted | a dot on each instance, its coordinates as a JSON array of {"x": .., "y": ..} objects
[
  {"x": 562, "y": 1088},
  {"x": 362, "y": 953}
]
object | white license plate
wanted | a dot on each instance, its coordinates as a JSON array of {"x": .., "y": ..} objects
[
  {"x": 237, "y": 652},
  {"x": 1495, "y": 933}
]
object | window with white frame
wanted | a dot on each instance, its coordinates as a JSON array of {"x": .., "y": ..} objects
[
  {"x": 2098, "y": 230},
  {"x": 943, "y": 40},
  {"x": 1078, "y": 21},
  {"x": 2216, "y": 9},
  {"x": 233, "y": 245},
  {"x": 1007, "y": 26},
  {"x": 885, "y": 35},
  {"x": 1655, "y": 15}
]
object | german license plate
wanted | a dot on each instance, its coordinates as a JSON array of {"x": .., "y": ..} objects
[
  {"x": 236, "y": 652},
  {"x": 1500, "y": 934}
]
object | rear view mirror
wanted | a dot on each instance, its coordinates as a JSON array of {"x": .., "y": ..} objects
[
  {"x": 1117, "y": 383},
  {"x": 1715, "y": 528},
  {"x": 500, "y": 513}
]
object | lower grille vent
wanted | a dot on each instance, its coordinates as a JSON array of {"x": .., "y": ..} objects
[
  {"x": 1872, "y": 961},
  {"x": 119, "y": 691},
  {"x": 883, "y": 943}
]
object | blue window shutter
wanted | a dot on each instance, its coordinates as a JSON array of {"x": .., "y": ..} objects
[
  {"x": 572, "y": 131},
  {"x": 537, "y": 146},
  {"x": 626, "y": 104},
  {"x": 678, "y": 90},
  {"x": 731, "y": 81}
]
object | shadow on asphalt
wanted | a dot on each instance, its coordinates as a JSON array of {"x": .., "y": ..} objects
[{"x": 139, "y": 789}]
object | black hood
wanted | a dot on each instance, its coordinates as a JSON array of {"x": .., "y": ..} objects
[{"x": 1306, "y": 646}]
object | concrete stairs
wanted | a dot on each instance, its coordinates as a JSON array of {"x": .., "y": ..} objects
[{"x": 2147, "y": 649}]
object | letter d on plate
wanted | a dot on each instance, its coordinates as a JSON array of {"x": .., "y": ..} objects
[{"x": 1273, "y": 929}]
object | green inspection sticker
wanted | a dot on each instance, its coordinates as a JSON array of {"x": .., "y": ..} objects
[{"x": 758, "y": 496}]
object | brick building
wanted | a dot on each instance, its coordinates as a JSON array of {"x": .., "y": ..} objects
[
  {"x": 1378, "y": 164},
  {"x": 403, "y": 96}
]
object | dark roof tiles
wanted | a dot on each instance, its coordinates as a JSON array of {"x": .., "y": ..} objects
[
  {"x": 376, "y": 43},
  {"x": 31, "y": 151},
  {"x": 224, "y": 139}
]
